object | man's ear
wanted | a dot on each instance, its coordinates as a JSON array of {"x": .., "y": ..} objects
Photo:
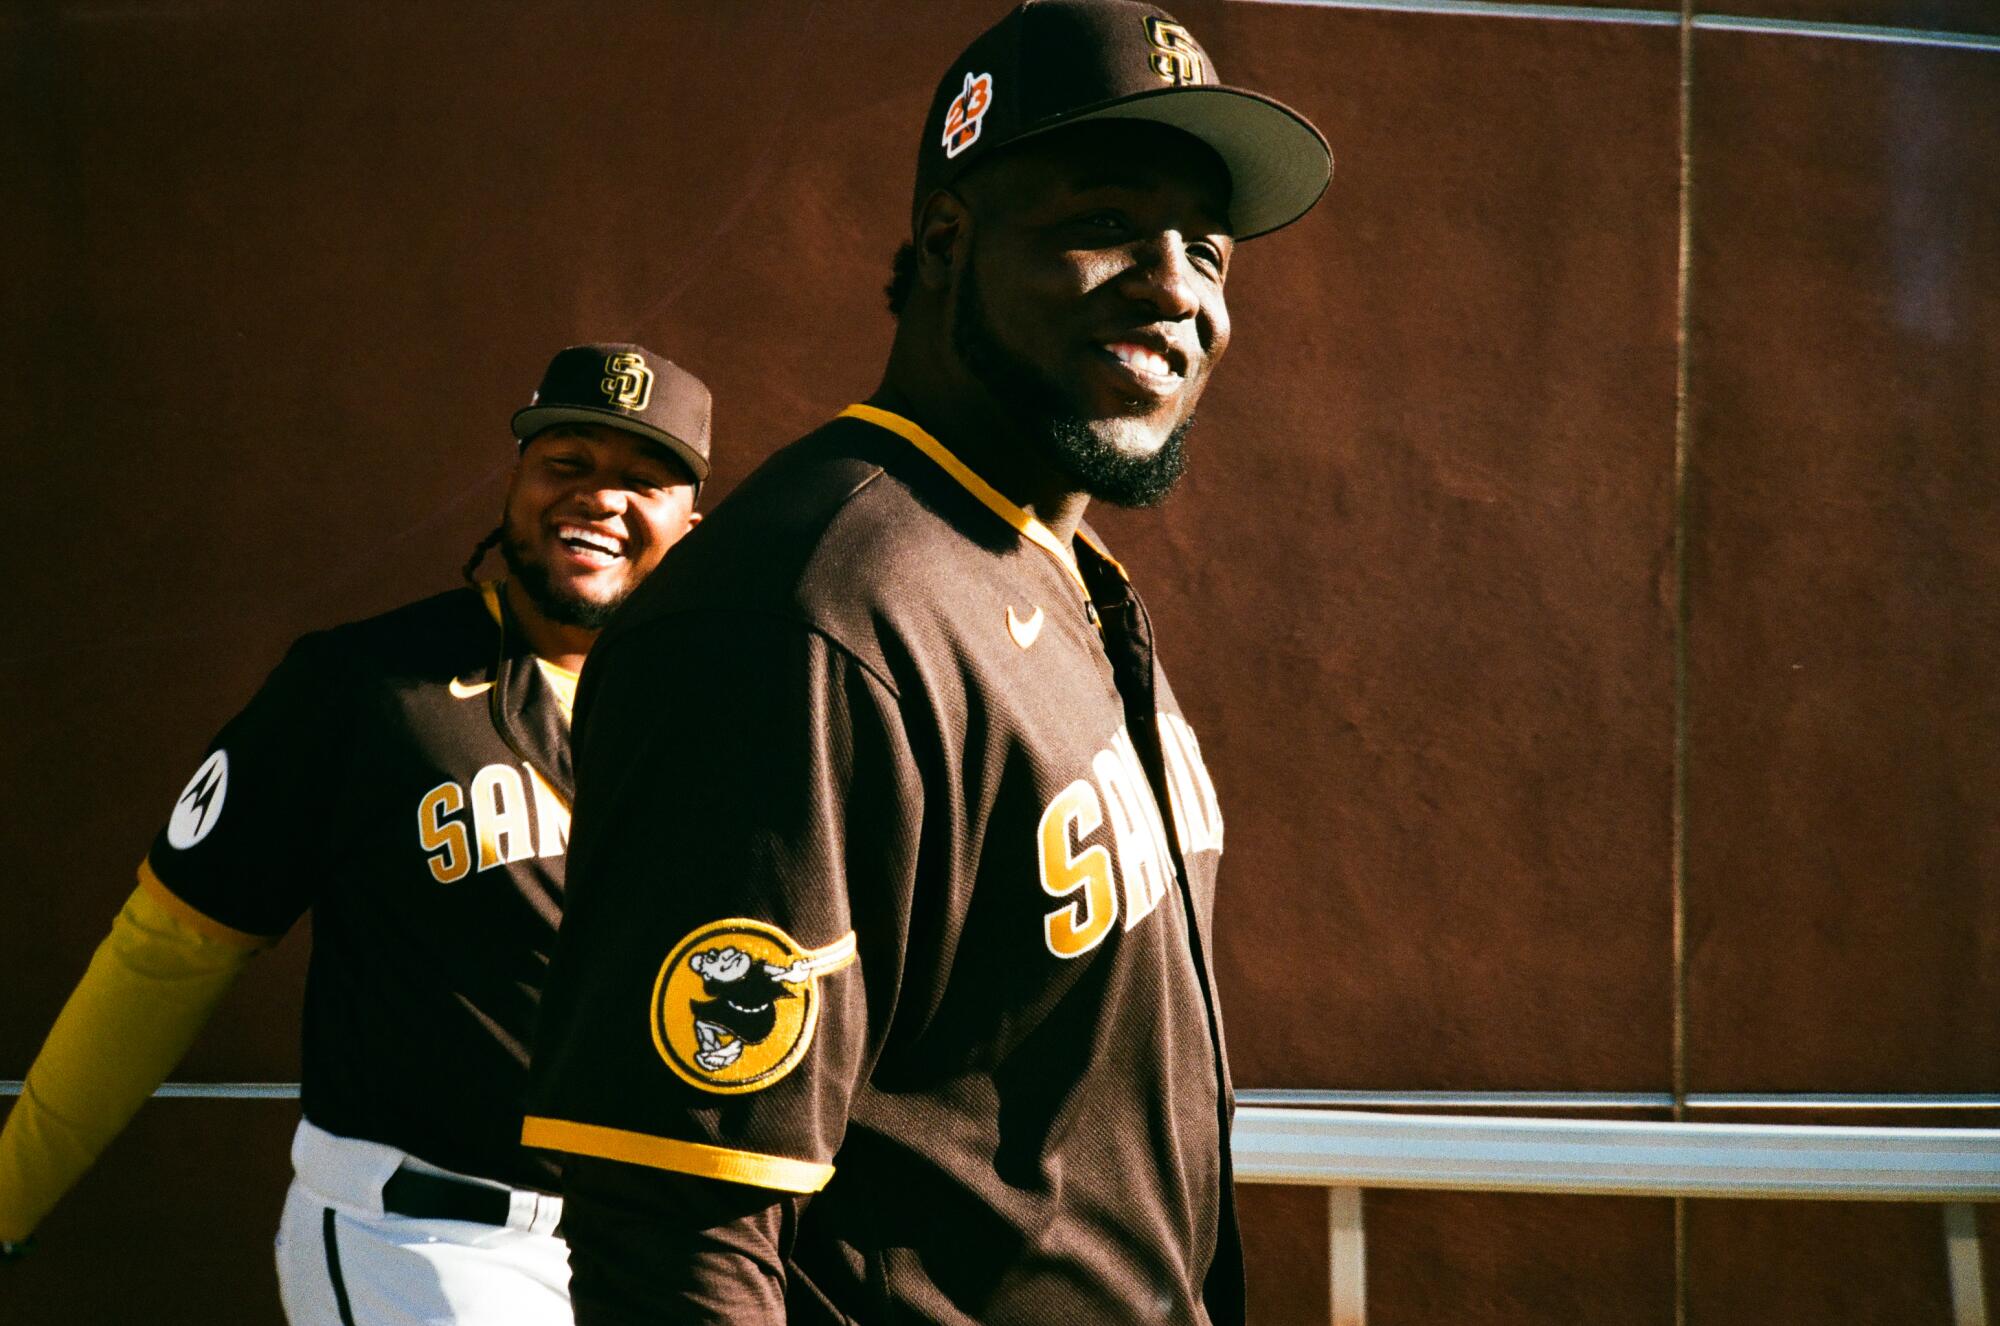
[{"x": 944, "y": 236}]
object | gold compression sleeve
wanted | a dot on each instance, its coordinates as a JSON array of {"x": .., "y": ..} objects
[{"x": 152, "y": 984}]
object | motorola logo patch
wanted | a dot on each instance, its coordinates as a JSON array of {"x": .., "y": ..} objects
[{"x": 200, "y": 804}]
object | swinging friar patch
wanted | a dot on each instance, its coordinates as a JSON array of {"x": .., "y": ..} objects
[{"x": 735, "y": 1005}]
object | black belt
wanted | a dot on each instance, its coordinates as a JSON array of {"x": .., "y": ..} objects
[{"x": 424, "y": 1196}]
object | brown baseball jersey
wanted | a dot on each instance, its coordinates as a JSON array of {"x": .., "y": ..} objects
[
  {"x": 891, "y": 885},
  {"x": 407, "y": 779}
]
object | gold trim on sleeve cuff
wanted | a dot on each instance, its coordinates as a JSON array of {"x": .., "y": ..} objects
[
  {"x": 699, "y": 1159},
  {"x": 200, "y": 922}
]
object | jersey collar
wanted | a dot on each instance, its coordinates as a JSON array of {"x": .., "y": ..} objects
[
  {"x": 565, "y": 678},
  {"x": 1031, "y": 529}
]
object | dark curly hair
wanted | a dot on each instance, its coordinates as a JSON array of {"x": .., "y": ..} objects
[{"x": 485, "y": 545}]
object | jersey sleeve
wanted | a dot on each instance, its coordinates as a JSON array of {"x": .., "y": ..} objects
[
  {"x": 646, "y": 1245},
  {"x": 245, "y": 838},
  {"x": 148, "y": 991},
  {"x": 741, "y": 873}
]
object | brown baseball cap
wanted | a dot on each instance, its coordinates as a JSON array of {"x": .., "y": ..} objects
[
  {"x": 1050, "y": 64},
  {"x": 623, "y": 386}
]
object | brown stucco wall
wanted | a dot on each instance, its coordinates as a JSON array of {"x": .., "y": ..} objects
[{"x": 1504, "y": 656}]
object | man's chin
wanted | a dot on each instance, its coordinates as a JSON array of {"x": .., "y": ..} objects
[
  {"x": 605, "y": 591},
  {"x": 566, "y": 603},
  {"x": 591, "y": 607},
  {"x": 1127, "y": 470},
  {"x": 576, "y": 610},
  {"x": 1135, "y": 441}
]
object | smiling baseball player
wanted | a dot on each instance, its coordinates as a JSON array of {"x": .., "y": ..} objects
[
  {"x": 407, "y": 780},
  {"x": 897, "y": 1005}
]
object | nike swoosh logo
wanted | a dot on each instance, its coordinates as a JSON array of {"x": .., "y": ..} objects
[
  {"x": 1026, "y": 632},
  {"x": 461, "y": 691}
]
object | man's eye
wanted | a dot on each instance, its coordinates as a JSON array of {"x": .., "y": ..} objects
[{"x": 1208, "y": 255}]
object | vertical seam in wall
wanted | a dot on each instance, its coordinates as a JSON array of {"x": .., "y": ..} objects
[{"x": 1678, "y": 850}]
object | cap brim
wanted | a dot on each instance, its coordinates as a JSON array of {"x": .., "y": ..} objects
[
  {"x": 1279, "y": 164},
  {"x": 535, "y": 418}
]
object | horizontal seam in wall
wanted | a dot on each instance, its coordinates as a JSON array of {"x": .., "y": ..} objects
[
  {"x": 1777, "y": 27},
  {"x": 213, "y": 1090},
  {"x": 1541, "y": 1100},
  {"x": 1497, "y": 9},
  {"x": 1615, "y": 1100}
]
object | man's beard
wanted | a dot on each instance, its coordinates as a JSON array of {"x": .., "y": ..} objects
[
  {"x": 1066, "y": 437},
  {"x": 564, "y": 609}
]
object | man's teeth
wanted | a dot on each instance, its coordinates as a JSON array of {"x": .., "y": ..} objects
[
  {"x": 594, "y": 542},
  {"x": 1146, "y": 361}
]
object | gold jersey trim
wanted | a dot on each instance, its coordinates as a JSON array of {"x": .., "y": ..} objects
[
  {"x": 562, "y": 683},
  {"x": 198, "y": 921},
  {"x": 696, "y": 1158},
  {"x": 1031, "y": 529}
]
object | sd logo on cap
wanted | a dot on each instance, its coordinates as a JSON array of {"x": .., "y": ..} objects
[{"x": 624, "y": 386}]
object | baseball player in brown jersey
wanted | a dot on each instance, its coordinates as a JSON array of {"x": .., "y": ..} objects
[
  {"x": 407, "y": 780},
  {"x": 895, "y": 1002}
]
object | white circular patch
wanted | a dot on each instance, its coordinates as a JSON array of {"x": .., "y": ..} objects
[{"x": 200, "y": 805}]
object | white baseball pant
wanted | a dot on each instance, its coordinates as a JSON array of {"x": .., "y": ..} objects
[{"x": 344, "y": 1261}]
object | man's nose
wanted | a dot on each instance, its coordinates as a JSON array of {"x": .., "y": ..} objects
[
  {"x": 1163, "y": 278},
  {"x": 601, "y": 497}
]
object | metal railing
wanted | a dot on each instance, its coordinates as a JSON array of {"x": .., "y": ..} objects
[
  {"x": 1346, "y": 1151},
  {"x": 1292, "y": 1137}
]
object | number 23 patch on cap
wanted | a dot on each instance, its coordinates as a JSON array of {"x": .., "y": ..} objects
[{"x": 736, "y": 1003}]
